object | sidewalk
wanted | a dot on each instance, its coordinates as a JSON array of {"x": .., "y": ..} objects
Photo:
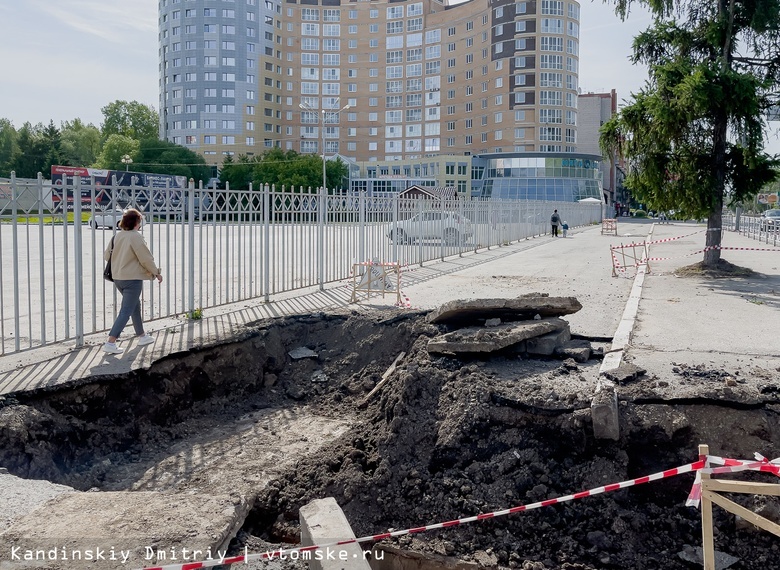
[{"x": 675, "y": 315}]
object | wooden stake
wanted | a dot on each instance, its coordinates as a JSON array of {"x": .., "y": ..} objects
[
  {"x": 383, "y": 381},
  {"x": 707, "y": 537}
]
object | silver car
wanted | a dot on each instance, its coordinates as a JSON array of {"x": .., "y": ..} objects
[{"x": 450, "y": 227}]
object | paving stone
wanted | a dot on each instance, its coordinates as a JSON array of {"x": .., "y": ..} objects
[
  {"x": 477, "y": 311},
  {"x": 546, "y": 345},
  {"x": 481, "y": 339}
]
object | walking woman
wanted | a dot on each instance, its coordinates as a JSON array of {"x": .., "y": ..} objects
[{"x": 131, "y": 264}]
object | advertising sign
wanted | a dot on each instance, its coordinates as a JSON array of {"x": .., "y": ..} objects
[{"x": 123, "y": 186}]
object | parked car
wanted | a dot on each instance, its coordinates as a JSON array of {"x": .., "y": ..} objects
[
  {"x": 770, "y": 221},
  {"x": 106, "y": 219},
  {"x": 450, "y": 227}
]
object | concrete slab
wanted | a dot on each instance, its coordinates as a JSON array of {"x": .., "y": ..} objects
[
  {"x": 524, "y": 307},
  {"x": 21, "y": 496},
  {"x": 491, "y": 339},
  {"x": 323, "y": 522},
  {"x": 122, "y": 530}
]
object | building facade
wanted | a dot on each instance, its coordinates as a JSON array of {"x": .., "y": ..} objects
[
  {"x": 595, "y": 109},
  {"x": 421, "y": 78}
]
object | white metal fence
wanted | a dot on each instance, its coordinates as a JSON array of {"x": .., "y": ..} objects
[
  {"x": 755, "y": 227},
  {"x": 222, "y": 246}
]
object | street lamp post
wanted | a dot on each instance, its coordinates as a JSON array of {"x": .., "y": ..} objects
[
  {"x": 127, "y": 161},
  {"x": 306, "y": 107}
]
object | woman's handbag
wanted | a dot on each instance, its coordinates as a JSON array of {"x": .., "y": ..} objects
[{"x": 107, "y": 271}]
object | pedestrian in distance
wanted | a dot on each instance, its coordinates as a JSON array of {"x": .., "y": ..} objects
[
  {"x": 555, "y": 221},
  {"x": 131, "y": 264},
  {"x": 565, "y": 228}
]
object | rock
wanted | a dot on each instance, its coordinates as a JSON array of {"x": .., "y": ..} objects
[
  {"x": 302, "y": 352},
  {"x": 604, "y": 413},
  {"x": 270, "y": 380},
  {"x": 474, "y": 339},
  {"x": 546, "y": 345},
  {"x": 579, "y": 350},
  {"x": 694, "y": 555},
  {"x": 624, "y": 373},
  {"x": 295, "y": 392},
  {"x": 492, "y": 322},
  {"x": 477, "y": 311},
  {"x": 319, "y": 376}
]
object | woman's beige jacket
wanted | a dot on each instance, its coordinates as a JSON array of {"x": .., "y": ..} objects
[{"x": 131, "y": 258}]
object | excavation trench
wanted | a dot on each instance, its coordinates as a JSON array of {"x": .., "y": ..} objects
[{"x": 272, "y": 421}]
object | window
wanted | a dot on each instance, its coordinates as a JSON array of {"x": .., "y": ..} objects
[
  {"x": 229, "y": 30},
  {"x": 228, "y": 13},
  {"x": 552, "y": 7},
  {"x": 394, "y": 12},
  {"x": 210, "y": 92},
  {"x": 396, "y": 27},
  {"x": 228, "y": 124},
  {"x": 552, "y": 26},
  {"x": 572, "y": 47},
  {"x": 550, "y": 98},
  {"x": 210, "y": 28},
  {"x": 414, "y": 25},
  {"x": 229, "y": 61},
  {"x": 550, "y": 61},
  {"x": 209, "y": 139},
  {"x": 209, "y": 12},
  {"x": 331, "y": 15},
  {"x": 310, "y": 14},
  {"x": 550, "y": 43},
  {"x": 210, "y": 60}
]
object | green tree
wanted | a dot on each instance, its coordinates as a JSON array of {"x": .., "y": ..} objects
[
  {"x": 8, "y": 146},
  {"x": 296, "y": 171},
  {"x": 130, "y": 119},
  {"x": 237, "y": 173},
  {"x": 37, "y": 150},
  {"x": 80, "y": 143},
  {"x": 115, "y": 147},
  {"x": 696, "y": 128},
  {"x": 163, "y": 157}
]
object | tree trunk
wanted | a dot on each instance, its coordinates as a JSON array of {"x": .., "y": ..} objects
[
  {"x": 714, "y": 233},
  {"x": 720, "y": 130}
]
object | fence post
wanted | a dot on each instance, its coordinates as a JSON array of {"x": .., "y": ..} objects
[
  {"x": 362, "y": 223},
  {"x": 266, "y": 245},
  {"x": 191, "y": 257},
  {"x": 322, "y": 210},
  {"x": 15, "y": 248},
  {"x": 77, "y": 256},
  {"x": 708, "y": 542}
]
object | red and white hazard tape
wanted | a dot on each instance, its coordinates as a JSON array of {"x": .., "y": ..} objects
[
  {"x": 761, "y": 463},
  {"x": 710, "y": 248},
  {"x": 689, "y": 468},
  {"x": 643, "y": 243}
]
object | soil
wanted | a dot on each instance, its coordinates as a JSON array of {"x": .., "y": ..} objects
[
  {"x": 722, "y": 270},
  {"x": 444, "y": 438}
]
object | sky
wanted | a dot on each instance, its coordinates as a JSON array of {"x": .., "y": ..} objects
[{"x": 67, "y": 59}]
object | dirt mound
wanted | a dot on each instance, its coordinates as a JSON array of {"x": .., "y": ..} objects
[
  {"x": 446, "y": 441},
  {"x": 444, "y": 438}
]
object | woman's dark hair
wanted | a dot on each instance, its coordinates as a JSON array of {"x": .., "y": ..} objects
[{"x": 130, "y": 219}]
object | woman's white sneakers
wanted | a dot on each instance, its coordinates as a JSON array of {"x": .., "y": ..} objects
[
  {"x": 112, "y": 348},
  {"x": 146, "y": 339}
]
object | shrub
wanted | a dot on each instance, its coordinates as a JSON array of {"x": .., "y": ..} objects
[{"x": 640, "y": 214}]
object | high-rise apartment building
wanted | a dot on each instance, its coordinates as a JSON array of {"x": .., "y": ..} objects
[{"x": 421, "y": 78}]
